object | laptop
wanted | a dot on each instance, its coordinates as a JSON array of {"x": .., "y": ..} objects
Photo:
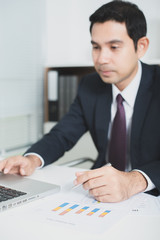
[{"x": 16, "y": 190}]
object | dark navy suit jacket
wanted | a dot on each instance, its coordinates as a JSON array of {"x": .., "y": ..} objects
[{"x": 91, "y": 111}]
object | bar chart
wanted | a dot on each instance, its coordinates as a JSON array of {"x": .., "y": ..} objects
[{"x": 76, "y": 209}]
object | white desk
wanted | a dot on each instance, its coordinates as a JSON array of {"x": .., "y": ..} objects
[{"x": 129, "y": 228}]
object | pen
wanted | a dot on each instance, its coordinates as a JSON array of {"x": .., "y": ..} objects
[{"x": 76, "y": 186}]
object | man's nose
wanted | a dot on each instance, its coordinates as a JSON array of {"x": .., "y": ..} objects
[{"x": 104, "y": 57}]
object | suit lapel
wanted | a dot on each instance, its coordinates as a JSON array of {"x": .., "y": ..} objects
[
  {"x": 102, "y": 117},
  {"x": 140, "y": 108}
]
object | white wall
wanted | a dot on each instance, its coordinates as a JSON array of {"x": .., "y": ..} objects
[
  {"x": 38, "y": 33},
  {"x": 22, "y": 58},
  {"x": 151, "y": 11},
  {"x": 68, "y": 38}
]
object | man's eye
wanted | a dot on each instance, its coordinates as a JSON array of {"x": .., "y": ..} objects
[
  {"x": 114, "y": 47},
  {"x": 95, "y": 47}
]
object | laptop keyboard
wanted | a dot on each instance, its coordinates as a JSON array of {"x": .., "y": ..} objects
[{"x": 8, "y": 193}]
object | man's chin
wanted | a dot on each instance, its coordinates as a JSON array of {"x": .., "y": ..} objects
[{"x": 108, "y": 80}]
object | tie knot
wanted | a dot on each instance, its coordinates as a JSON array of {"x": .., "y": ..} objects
[{"x": 119, "y": 99}]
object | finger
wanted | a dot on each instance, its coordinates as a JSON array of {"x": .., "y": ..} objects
[
  {"x": 109, "y": 198},
  {"x": 26, "y": 171},
  {"x": 27, "y": 168},
  {"x": 95, "y": 183},
  {"x": 79, "y": 173},
  {"x": 105, "y": 199},
  {"x": 2, "y": 165},
  {"x": 22, "y": 171},
  {"x": 91, "y": 173},
  {"x": 87, "y": 175},
  {"x": 10, "y": 165},
  {"x": 13, "y": 164},
  {"x": 99, "y": 191},
  {"x": 14, "y": 170}
]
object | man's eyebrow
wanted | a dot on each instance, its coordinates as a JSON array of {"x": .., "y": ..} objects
[
  {"x": 109, "y": 42},
  {"x": 92, "y": 42}
]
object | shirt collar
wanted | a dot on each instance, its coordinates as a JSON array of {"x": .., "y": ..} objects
[{"x": 130, "y": 92}]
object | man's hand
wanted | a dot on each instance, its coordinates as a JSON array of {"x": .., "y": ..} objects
[
  {"x": 20, "y": 165},
  {"x": 108, "y": 184}
]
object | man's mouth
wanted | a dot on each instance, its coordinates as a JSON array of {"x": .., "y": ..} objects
[{"x": 106, "y": 72}]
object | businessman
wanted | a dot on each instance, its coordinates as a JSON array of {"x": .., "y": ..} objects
[{"x": 119, "y": 105}]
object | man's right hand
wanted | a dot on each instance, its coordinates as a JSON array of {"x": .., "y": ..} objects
[{"x": 24, "y": 166}]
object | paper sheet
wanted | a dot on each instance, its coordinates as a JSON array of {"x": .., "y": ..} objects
[
  {"x": 145, "y": 204},
  {"x": 76, "y": 209}
]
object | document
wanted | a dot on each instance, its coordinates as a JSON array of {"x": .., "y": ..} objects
[
  {"x": 76, "y": 209},
  {"x": 145, "y": 204}
]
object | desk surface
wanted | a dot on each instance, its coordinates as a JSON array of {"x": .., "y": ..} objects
[{"x": 12, "y": 226}]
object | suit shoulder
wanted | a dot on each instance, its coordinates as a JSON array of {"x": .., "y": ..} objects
[
  {"x": 153, "y": 68},
  {"x": 93, "y": 81},
  {"x": 151, "y": 77},
  {"x": 91, "y": 76}
]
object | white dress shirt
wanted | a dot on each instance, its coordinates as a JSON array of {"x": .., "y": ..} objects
[{"x": 129, "y": 95}]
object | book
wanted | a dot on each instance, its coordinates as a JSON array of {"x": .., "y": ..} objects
[
  {"x": 67, "y": 89},
  {"x": 53, "y": 104}
]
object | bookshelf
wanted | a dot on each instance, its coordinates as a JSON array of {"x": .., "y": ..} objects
[{"x": 64, "y": 73}]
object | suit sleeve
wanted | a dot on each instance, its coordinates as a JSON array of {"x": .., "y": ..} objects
[{"x": 64, "y": 135}]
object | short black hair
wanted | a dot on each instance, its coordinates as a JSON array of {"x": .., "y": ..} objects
[{"x": 123, "y": 12}]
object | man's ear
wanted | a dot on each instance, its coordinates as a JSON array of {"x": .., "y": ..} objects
[{"x": 142, "y": 46}]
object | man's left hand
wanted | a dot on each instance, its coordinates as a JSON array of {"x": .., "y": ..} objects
[{"x": 107, "y": 184}]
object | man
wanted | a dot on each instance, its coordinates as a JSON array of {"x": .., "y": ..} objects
[{"x": 118, "y": 37}]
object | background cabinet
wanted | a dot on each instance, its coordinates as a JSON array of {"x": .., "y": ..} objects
[{"x": 65, "y": 81}]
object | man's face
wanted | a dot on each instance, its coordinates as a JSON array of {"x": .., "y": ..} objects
[{"x": 113, "y": 52}]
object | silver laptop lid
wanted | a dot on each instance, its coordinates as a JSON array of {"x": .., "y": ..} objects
[{"x": 23, "y": 189}]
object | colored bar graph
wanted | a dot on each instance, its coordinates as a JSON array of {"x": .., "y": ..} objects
[
  {"x": 61, "y": 206},
  {"x": 79, "y": 211},
  {"x": 69, "y": 209},
  {"x": 82, "y": 210},
  {"x": 93, "y": 211},
  {"x": 104, "y": 213}
]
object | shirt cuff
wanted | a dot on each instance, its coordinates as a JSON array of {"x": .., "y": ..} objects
[
  {"x": 150, "y": 185},
  {"x": 35, "y": 154}
]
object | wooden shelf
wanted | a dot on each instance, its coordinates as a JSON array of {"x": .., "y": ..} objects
[{"x": 78, "y": 71}]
